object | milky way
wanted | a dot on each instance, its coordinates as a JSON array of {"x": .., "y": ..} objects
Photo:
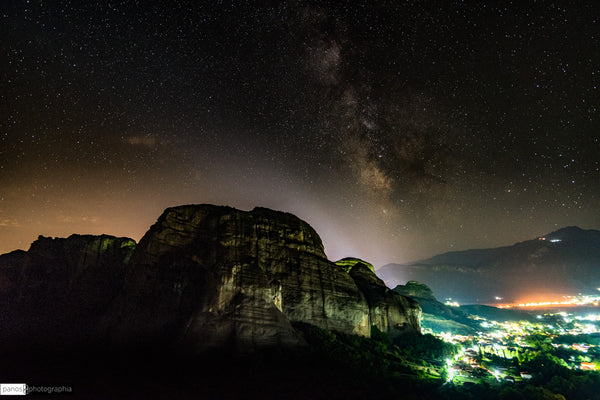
[{"x": 397, "y": 129}]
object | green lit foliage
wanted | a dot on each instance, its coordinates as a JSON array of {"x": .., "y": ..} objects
[
  {"x": 539, "y": 342},
  {"x": 347, "y": 263},
  {"x": 354, "y": 353},
  {"x": 374, "y": 363},
  {"x": 380, "y": 336},
  {"x": 412, "y": 367},
  {"x": 444, "y": 375},
  {"x": 426, "y": 347},
  {"x": 568, "y": 355},
  {"x": 495, "y": 361},
  {"x": 551, "y": 372}
]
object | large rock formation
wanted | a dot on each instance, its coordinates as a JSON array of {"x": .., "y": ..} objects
[
  {"x": 56, "y": 291},
  {"x": 203, "y": 277},
  {"x": 388, "y": 311},
  {"x": 219, "y": 276}
]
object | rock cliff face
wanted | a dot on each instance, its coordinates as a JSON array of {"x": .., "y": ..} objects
[
  {"x": 389, "y": 311},
  {"x": 219, "y": 276},
  {"x": 60, "y": 287},
  {"x": 203, "y": 277}
]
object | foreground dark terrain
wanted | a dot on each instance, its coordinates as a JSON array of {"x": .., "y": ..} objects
[{"x": 333, "y": 366}]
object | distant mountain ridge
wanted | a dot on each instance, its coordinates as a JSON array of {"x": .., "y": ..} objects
[
  {"x": 563, "y": 262},
  {"x": 458, "y": 320}
]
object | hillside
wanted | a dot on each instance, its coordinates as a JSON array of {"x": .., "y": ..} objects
[{"x": 564, "y": 262}]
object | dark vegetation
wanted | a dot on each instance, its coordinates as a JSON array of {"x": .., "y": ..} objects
[
  {"x": 590, "y": 338},
  {"x": 400, "y": 367},
  {"x": 436, "y": 315},
  {"x": 497, "y": 314},
  {"x": 333, "y": 366}
]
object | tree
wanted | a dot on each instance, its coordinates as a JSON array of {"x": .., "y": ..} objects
[{"x": 444, "y": 374}]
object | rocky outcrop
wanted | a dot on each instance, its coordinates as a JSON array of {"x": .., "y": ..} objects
[
  {"x": 56, "y": 291},
  {"x": 388, "y": 311},
  {"x": 203, "y": 277},
  {"x": 347, "y": 263},
  {"x": 415, "y": 289},
  {"x": 435, "y": 315},
  {"x": 217, "y": 276}
]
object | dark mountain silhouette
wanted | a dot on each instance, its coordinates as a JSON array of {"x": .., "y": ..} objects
[
  {"x": 497, "y": 314},
  {"x": 564, "y": 262}
]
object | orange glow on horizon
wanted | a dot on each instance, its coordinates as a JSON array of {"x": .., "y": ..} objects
[{"x": 563, "y": 301}]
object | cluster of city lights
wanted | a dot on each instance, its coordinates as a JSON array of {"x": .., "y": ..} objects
[{"x": 509, "y": 340}]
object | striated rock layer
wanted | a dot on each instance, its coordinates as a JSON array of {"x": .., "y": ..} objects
[
  {"x": 203, "y": 277},
  {"x": 219, "y": 276},
  {"x": 389, "y": 311}
]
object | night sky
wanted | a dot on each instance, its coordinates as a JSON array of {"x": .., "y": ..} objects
[{"x": 397, "y": 129}]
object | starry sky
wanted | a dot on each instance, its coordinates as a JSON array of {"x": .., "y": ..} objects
[{"x": 397, "y": 129}]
